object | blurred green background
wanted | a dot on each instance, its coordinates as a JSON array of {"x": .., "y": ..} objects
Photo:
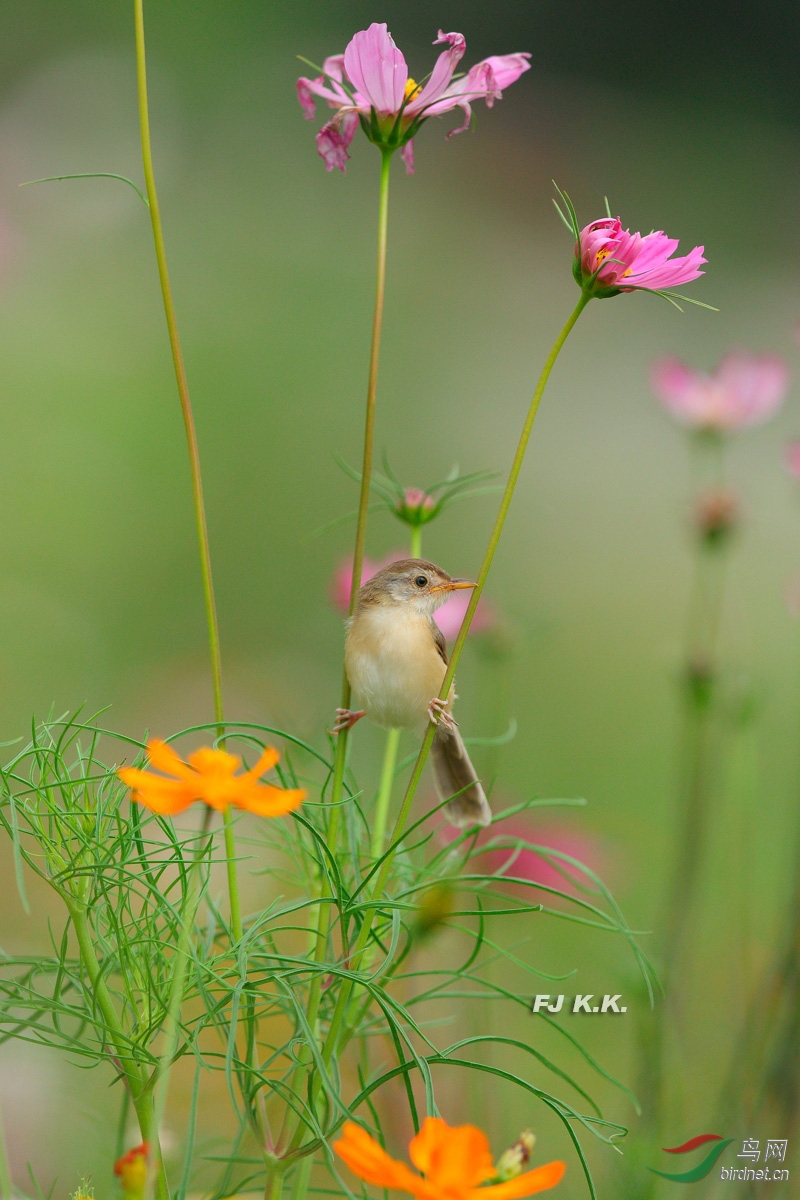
[{"x": 687, "y": 120}]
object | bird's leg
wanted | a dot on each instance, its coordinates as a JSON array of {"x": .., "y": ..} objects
[
  {"x": 346, "y": 719},
  {"x": 439, "y": 714}
]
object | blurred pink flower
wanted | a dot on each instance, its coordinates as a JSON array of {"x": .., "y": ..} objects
[
  {"x": 343, "y": 576},
  {"x": 448, "y": 617},
  {"x": 744, "y": 390},
  {"x": 621, "y": 261},
  {"x": 370, "y": 84},
  {"x": 529, "y": 865},
  {"x": 792, "y": 459}
]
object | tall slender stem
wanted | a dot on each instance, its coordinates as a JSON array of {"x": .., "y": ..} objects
[
  {"x": 366, "y": 471},
  {"x": 134, "y": 1075},
  {"x": 391, "y": 748},
  {"x": 233, "y": 877},
  {"x": 494, "y": 538},
  {"x": 385, "y": 792},
  {"x": 191, "y": 436},
  {"x": 188, "y": 915},
  {"x": 697, "y": 761},
  {"x": 293, "y": 1127},
  {"x": 180, "y": 371},
  {"x": 343, "y": 998},
  {"x": 6, "y": 1185}
]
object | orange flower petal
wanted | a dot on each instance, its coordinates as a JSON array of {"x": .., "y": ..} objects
[
  {"x": 267, "y": 801},
  {"x": 538, "y": 1180},
  {"x": 166, "y": 799},
  {"x": 207, "y": 761},
  {"x": 265, "y": 763},
  {"x": 454, "y": 1158},
  {"x": 211, "y": 779},
  {"x": 164, "y": 758},
  {"x": 370, "y": 1162},
  {"x": 141, "y": 780}
]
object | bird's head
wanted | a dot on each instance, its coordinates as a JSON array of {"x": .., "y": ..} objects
[{"x": 411, "y": 583}]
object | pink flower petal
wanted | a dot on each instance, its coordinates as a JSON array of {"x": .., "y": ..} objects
[
  {"x": 621, "y": 259},
  {"x": 407, "y": 155},
  {"x": 530, "y": 865},
  {"x": 450, "y": 616},
  {"x": 441, "y": 74},
  {"x": 744, "y": 390},
  {"x": 334, "y": 138},
  {"x": 377, "y": 69},
  {"x": 340, "y": 586},
  {"x": 507, "y": 68}
]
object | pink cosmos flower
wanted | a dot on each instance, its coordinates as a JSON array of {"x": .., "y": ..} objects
[
  {"x": 370, "y": 84},
  {"x": 448, "y": 617},
  {"x": 528, "y": 864},
  {"x": 610, "y": 260},
  {"x": 744, "y": 390}
]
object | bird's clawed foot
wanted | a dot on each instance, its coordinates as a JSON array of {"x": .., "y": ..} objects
[
  {"x": 439, "y": 714},
  {"x": 346, "y": 719}
]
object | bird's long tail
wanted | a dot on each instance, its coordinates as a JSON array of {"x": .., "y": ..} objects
[{"x": 456, "y": 774}]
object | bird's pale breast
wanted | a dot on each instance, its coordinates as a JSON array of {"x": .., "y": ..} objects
[{"x": 393, "y": 666}]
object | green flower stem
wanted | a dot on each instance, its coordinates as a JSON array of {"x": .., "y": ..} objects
[
  {"x": 140, "y": 1094},
  {"x": 343, "y": 999},
  {"x": 233, "y": 877},
  {"x": 385, "y": 792},
  {"x": 183, "y": 955},
  {"x": 291, "y": 1122},
  {"x": 697, "y": 756},
  {"x": 6, "y": 1185},
  {"x": 390, "y": 751},
  {"x": 274, "y": 1186},
  {"x": 302, "y": 1177},
  {"x": 366, "y": 474},
  {"x": 191, "y": 436}
]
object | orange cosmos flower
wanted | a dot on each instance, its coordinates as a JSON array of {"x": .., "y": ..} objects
[
  {"x": 209, "y": 775},
  {"x": 456, "y": 1160},
  {"x": 132, "y": 1170}
]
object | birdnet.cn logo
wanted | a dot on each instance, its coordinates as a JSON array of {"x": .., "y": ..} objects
[{"x": 764, "y": 1168}]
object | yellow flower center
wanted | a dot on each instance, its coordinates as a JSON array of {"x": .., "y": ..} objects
[
  {"x": 602, "y": 255},
  {"x": 411, "y": 88}
]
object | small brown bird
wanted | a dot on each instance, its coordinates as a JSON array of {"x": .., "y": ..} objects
[{"x": 396, "y": 659}]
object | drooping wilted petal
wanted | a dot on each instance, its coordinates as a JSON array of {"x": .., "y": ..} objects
[
  {"x": 407, "y": 155},
  {"x": 334, "y": 139},
  {"x": 442, "y": 73}
]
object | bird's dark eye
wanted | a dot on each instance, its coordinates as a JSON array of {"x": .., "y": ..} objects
[{"x": 421, "y": 581}]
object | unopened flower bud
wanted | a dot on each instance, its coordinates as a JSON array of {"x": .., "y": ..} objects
[
  {"x": 416, "y": 507},
  {"x": 132, "y": 1171},
  {"x": 716, "y": 515},
  {"x": 434, "y": 909},
  {"x": 514, "y": 1160}
]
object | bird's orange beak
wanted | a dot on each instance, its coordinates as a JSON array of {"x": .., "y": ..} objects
[{"x": 454, "y": 585}]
